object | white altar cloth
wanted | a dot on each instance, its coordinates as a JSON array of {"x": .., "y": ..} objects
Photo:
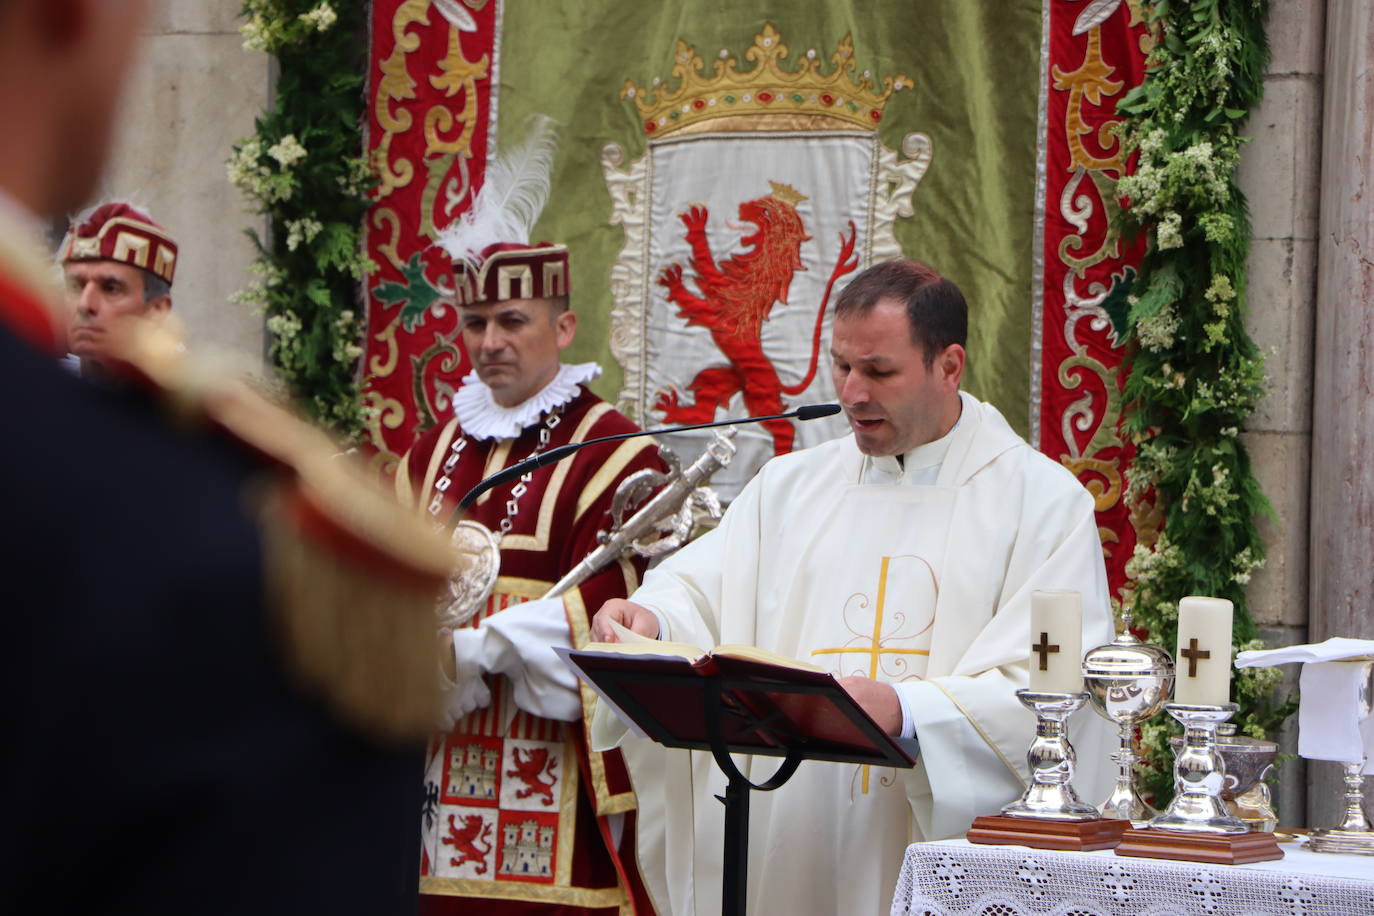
[{"x": 958, "y": 878}]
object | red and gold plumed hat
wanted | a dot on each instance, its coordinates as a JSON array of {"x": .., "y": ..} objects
[
  {"x": 119, "y": 232},
  {"x": 493, "y": 259},
  {"x": 507, "y": 270}
]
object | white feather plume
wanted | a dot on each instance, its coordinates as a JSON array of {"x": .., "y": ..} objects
[
  {"x": 457, "y": 17},
  {"x": 513, "y": 194}
]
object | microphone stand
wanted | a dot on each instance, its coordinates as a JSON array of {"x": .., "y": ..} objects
[{"x": 805, "y": 412}]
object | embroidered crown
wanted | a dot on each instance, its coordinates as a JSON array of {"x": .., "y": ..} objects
[
  {"x": 786, "y": 193},
  {"x": 765, "y": 89}
]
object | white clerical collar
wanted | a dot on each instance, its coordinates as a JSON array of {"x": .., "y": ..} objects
[
  {"x": 920, "y": 459},
  {"x": 482, "y": 418}
]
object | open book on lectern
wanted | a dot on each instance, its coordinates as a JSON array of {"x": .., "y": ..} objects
[{"x": 768, "y": 704}]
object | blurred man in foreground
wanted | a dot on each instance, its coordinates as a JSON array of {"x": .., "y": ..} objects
[{"x": 203, "y": 655}]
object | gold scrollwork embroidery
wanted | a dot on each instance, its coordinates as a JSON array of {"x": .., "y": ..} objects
[
  {"x": 445, "y": 350},
  {"x": 397, "y": 85},
  {"x": 1111, "y": 245},
  {"x": 1100, "y": 477},
  {"x": 386, "y": 218},
  {"x": 438, "y": 167},
  {"x": 1088, "y": 83},
  {"x": 1105, "y": 435},
  {"x": 382, "y": 367},
  {"x": 389, "y": 413},
  {"x": 458, "y": 74}
]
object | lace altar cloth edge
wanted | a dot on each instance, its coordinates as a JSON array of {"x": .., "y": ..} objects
[{"x": 955, "y": 877}]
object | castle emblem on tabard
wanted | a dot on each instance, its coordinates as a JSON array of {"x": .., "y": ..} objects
[
  {"x": 497, "y": 809},
  {"x": 760, "y": 193}
]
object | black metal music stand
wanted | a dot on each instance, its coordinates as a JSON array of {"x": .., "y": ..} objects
[{"x": 749, "y": 708}]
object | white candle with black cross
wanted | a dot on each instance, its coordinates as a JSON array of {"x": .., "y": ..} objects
[
  {"x": 1056, "y": 659},
  {"x": 1202, "y": 675}
]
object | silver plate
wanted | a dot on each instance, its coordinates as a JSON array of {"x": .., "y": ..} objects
[{"x": 479, "y": 564}]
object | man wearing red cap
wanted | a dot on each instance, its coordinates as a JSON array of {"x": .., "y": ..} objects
[
  {"x": 519, "y": 814},
  {"x": 117, "y": 263}
]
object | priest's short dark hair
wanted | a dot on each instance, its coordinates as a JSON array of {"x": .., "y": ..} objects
[{"x": 935, "y": 307}]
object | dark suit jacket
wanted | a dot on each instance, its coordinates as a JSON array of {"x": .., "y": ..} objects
[{"x": 155, "y": 755}]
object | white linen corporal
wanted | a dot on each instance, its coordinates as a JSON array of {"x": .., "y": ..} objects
[
  {"x": 853, "y": 563},
  {"x": 1333, "y": 721},
  {"x": 1335, "y": 649}
]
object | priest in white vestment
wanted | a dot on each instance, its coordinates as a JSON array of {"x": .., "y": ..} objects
[{"x": 901, "y": 558}]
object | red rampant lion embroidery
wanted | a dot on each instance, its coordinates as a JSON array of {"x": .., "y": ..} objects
[
  {"x": 735, "y": 298},
  {"x": 529, "y": 767},
  {"x": 465, "y": 840}
]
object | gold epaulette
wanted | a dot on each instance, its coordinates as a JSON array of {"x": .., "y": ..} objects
[{"x": 351, "y": 578}]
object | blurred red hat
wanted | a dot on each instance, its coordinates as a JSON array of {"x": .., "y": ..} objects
[{"x": 118, "y": 231}]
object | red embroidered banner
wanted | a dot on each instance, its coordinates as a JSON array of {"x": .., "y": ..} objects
[
  {"x": 430, "y": 89},
  {"x": 1096, "y": 54}
]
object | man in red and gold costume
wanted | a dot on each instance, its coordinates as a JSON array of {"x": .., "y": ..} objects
[
  {"x": 518, "y": 812},
  {"x": 116, "y": 263}
]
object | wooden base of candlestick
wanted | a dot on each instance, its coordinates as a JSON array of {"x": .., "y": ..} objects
[
  {"x": 1042, "y": 833},
  {"x": 1212, "y": 848}
]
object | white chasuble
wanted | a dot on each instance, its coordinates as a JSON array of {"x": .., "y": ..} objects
[
  {"x": 917, "y": 575},
  {"x": 878, "y": 575}
]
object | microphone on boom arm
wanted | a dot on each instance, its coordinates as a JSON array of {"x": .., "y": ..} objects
[{"x": 805, "y": 412}]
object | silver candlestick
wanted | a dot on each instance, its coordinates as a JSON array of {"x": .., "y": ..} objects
[
  {"x": 1051, "y": 759},
  {"x": 1353, "y": 835},
  {"x": 1248, "y": 761},
  {"x": 1128, "y": 682},
  {"x": 1199, "y": 774}
]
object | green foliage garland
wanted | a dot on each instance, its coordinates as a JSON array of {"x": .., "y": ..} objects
[
  {"x": 1195, "y": 374},
  {"x": 302, "y": 168}
]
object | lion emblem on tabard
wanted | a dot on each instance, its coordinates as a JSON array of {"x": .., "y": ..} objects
[
  {"x": 464, "y": 839},
  {"x": 530, "y": 768},
  {"x": 734, "y": 298}
]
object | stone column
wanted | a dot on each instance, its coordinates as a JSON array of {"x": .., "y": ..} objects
[
  {"x": 1342, "y": 568},
  {"x": 192, "y": 93},
  {"x": 1280, "y": 176}
]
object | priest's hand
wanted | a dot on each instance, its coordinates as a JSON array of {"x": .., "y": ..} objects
[
  {"x": 626, "y": 613},
  {"x": 879, "y": 700}
]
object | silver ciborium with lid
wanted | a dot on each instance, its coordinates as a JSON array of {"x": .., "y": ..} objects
[{"x": 1128, "y": 682}]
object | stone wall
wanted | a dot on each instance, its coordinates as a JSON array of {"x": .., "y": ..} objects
[
  {"x": 1280, "y": 174},
  {"x": 1342, "y": 530},
  {"x": 194, "y": 90}
]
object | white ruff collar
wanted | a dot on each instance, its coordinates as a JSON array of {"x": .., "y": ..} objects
[{"x": 482, "y": 418}]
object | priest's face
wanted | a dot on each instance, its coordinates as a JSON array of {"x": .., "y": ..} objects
[
  {"x": 515, "y": 345},
  {"x": 894, "y": 401}
]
